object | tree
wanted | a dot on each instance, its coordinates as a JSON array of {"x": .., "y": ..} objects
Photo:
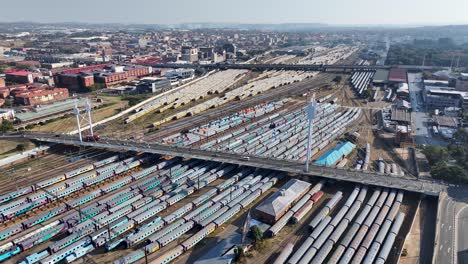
[
  {"x": 337, "y": 79},
  {"x": 366, "y": 93},
  {"x": 6, "y": 126},
  {"x": 256, "y": 233},
  {"x": 7, "y": 103},
  {"x": 238, "y": 253},
  {"x": 435, "y": 154},
  {"x": 461, "y": 137},
  {"x": 449, "y": 173},
  {"x": 21, "y": 147}
]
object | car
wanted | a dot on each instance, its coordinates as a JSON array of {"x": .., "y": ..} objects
[{"x": 245, "y": 158}]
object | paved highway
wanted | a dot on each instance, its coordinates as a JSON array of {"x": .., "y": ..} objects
[
  {"x": 420, "y": 186},
  {"x": 462, "y": 235}
]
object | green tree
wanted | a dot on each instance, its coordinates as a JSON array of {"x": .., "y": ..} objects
[
  {"x": 461, "y": 137},
  {"x": 7, "y": 103},
  {"x": 338, "y": 79},
  {"x": 256, "y": 233},
  {"x": 449, "y": 173},
  {"x": 238, "y": 253},
  {"x": 21, "y": 147},
  {"x": 6, "y": 126},
  {"x": 435, "y": 154}
]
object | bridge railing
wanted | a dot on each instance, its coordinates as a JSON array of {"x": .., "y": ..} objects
[{"x": 258, "y": 161}]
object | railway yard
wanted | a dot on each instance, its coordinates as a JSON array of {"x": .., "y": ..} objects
[{"x": 88, "y": 205}]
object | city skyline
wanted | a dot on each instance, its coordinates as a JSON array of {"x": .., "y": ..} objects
[{"x": 333, "y": 12}]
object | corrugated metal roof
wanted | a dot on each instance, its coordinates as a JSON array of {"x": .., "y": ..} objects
[
  {"x": 283, "y": 198},
  {"x": 333, "y": 155},
  {"x": 397, "y": 75},
  {"x": 381, "y": 76}
]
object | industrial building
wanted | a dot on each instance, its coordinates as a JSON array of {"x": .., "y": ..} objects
[
  {"x": 41, "y": 96},
  {"x": 180, "y": 73},
  {"x": 19, "y": 77},
  {"x": 397, "y": 75},
  {"x": 441, "y": 97},
  {"x": 275, "y": 206},
  {"x": 380, "y": 77},
  {"x": 332, "y": 156},
  {"x": 462, "y": 82},
  {"x": 153, "y": 86}
]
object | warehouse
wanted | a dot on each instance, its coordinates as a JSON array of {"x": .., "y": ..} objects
[
  {"x": 397, "y": 75},
  {"x": 275, "y": 206},
  {"x": 381, "y": 77},
  {"x": 332, "y": 156}
]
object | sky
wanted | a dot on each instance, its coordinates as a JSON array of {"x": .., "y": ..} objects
[{"x": 338, "y": 12}]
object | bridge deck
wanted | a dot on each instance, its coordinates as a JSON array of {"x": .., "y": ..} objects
[{"x": 370, "y": 178}]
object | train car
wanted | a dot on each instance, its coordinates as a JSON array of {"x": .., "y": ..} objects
[
  {"x": 193, "y": 240},
  {"x": 50, "y": 181},
  {"x": 68, "y": 191},
  {"x": 40, "y": 238},
  {"x": 67, "y": 251},
  {"x": 144, "y": 232},
  {"x": 104, "y": 162},
  {"x": 6, "y": 247},
  {"x": 44, "y": 217},
  {"x": 68, "y": 240},
  {"x": 169, "y": 255},
  {"x": 79, "y": 180},
  {"x": 79, "y": 171},
  {"x": 23, "y": 209},
  {"x": 111, "y": 245},
  {"x": 35, "y": 257},
  {"x": 132, "y": 257},
  {"x": 13, "y": 204},
  {"x": 80, "y": 252},
  {"x": 173, "y": 235},
  {"x": 12, "y": 195},
  {"x": 10, "y": 253},
  {"x": 11, "y": 231},
  {"x": 84, "y": 199}
]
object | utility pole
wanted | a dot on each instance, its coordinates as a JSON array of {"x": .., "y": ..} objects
[
  {"x": 88, "y": 110},
  {"x": 311, "y": 108},
  {"x": 76, "y": 111}
]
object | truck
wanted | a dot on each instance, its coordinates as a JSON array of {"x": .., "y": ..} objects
[{"x": 91, "y": 138}]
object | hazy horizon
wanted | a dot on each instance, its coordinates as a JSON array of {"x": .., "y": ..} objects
[{"x": 331, "y": 12}]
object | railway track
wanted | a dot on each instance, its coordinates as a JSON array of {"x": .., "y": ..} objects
[{"x": 275, "y": 94}]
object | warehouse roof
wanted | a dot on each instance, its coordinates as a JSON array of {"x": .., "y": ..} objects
[
  {"x": 397, "y": 75},
  {"x": 400, "y": 115},
  {"x": 283, "y": 198},
  {"x": 381, "y": 76},
  {"x": 333, "y": 155},
  {"x": 446, "y": 121}
]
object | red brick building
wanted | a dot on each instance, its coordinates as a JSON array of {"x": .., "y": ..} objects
[
  {"x": 41, "y": 96},
  {"x": 19, "y": 77},
  {"x": 77, "y": 82},
  {"x": 109, "y": 79}
]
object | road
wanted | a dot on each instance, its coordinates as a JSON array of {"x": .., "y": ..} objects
[
  {"x": 295, "y": 67},
  {"x": 294, "y": 167},
  {"x": 451, "y": 242},
  {"x": 419, "y": 116},
  {"x": 462, "y": 235}
]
